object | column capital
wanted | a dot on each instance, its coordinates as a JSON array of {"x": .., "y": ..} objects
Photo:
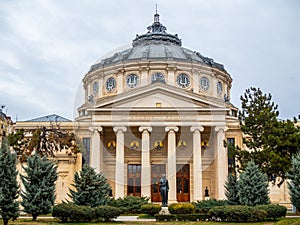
[
  {"x": 200, "y": 128},
  {"x": 167, "y": 129},
  {"x": 123, "y": 129},
  {"x": 219, "y": 128},
  {"x": 149, "y": 129},
  {"x": 95, "y": 129}
]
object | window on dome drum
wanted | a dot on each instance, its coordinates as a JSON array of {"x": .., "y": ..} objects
[
  {"x": 183, "y": 80},
  {"x": 134, "y": 180},
  {"x": 110, "y": 84},
  {"x": 204, "y": 83},
  {"x": 158, "y": 77},
  {"x": 87, "y": 145},
  {"x": 219, "y": 87},
  {"x": 95, "y": 87},
  {"x": 132, "y": 80}
]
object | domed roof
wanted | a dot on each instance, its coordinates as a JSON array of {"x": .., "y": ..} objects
[{"x": 156, "y": 44}]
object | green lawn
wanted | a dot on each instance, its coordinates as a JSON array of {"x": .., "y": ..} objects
[{"x": 286, "y": 221}]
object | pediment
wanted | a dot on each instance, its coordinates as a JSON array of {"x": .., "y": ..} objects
[{"x": 156, "y": 96}]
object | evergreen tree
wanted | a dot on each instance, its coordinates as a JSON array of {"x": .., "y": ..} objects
[
  {"x": 253, "y": 186},
  {"x": 272, "y": 142},
  {"x": 231, "y": 190},
  {"x": 9, "y": 188},
  {"x": 294, "y": 183},
  {"x": 39, "y": 183},
  {"x": 92, "y": 189}
]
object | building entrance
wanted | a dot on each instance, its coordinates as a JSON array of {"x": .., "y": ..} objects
[
  {"x": 156, "y": 174},
  {"x": 134, "y": 180},
  {"x": 183, "y": 183}
]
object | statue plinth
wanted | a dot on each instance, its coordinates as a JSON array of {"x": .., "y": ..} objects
[{"x": 164, "y": 211}]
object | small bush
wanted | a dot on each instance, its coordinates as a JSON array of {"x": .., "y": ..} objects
[
  {"x": 237, "y": 213},
  {"x": 129, "y": 204},
  {"x": 107, "y": 213},
  {"x": 165, "y": 217},
  {"x": 205, "y": 205},
  {"x": 273, "y": 211},
  {"x": 61, "y": 211},
  {"x": 151, "y": 209},
  {"x": 70, "y": 211},
  {"x": 181, "y": 208}
]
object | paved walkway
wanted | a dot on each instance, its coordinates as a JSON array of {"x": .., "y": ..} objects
[{"x": 133, "y": 218}]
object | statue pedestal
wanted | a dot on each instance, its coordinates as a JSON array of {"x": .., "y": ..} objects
[{"x": 164, "y": 211}]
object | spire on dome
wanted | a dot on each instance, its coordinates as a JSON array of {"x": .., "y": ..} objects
[{"x": 156, "y": 27}]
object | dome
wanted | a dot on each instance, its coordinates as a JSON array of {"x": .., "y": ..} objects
[{"x": 156, "y": 44}]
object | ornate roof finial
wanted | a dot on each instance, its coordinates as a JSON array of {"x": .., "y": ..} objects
[{"x": 156, "y": 15}]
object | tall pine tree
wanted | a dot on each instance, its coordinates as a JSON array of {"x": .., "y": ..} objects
[
  {"x": 231, "y": 190},
  {"x": 39, "y": 183},
  {"x": 253, "y": 186},
  {"x": 91, "y": 189},
  {"x": 9, "y": 188},
  {"x": 294, "y": 183}
]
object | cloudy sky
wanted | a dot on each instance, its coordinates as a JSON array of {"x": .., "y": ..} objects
[{"x": 47, "y": 46}]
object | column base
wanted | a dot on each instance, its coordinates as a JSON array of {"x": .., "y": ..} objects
[{"x": 164, "y": 211}]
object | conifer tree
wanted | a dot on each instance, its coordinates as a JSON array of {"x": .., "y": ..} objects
[
  {"x": 92, "y": 189},
  {"x": 39, "y": 183},
  {"x": 9, "y": 188},
  {"x": 294, "y": 183},
  {"x": 253, "y": 186},
  {"x": 231, "y": 190}
]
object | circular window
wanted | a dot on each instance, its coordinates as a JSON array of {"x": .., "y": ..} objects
[
  {"x": 204, "y": 83},
  {"x": 183, "y": 80},
  {"x": 158, "y": 77},
  {"x": 110, "y": 84},
  {"x": 132, "y": 80},
  {"x": 95, "y": 87}
]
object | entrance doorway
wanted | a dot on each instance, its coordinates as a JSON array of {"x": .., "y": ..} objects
[
  {"x": 156, "y": 174},
  {"x": 183, "y": 183},
  {"x": 134, "y": 180}
]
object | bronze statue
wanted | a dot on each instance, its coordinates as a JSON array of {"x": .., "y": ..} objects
[{"x": 164, "y": 188}]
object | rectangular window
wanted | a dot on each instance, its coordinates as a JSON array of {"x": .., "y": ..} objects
[
  {"x": 231, "y": 155},
  {"x": 87, "y": 147}
]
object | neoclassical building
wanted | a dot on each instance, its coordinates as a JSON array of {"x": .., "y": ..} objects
[
  {"x": 158, "y": 108},
  {"x": 155, "y": 108}
]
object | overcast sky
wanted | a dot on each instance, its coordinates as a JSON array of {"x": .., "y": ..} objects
[{"x": 47, "y": 46}]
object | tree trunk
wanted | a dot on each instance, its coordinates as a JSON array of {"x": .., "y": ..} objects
[
  {"x": 5, "y": 222},
  {"x": 34, "y": 217}
]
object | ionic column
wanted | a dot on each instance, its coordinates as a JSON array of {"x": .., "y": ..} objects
[
  {"x": 222, "y": 161},
  {"x": 197, "y": 163},
  {"x": 146, "y": 167},
  {"x": 95, "y": 155},
  {"x": 120, "y": 166},
  {"x": 171, "y": 171}
]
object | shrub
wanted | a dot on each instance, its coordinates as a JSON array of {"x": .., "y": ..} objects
[
  {"x": 151, "y": 209},
  {"x": 165, "y": 217},
  {"x": 237, "y": 213},
  {"x": 107, "y": 213},
  {"x": 205, "y": 205},
  {"x": 61, "y": 211},
  {"x": 70, "y": 211},
  {"x": 181, "y": 208},
  {"x": 129, "y": 204},
  {"x": 273, "y": 211}
]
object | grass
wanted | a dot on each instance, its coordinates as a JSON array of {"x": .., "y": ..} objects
[{"x": 285, "y": 221}]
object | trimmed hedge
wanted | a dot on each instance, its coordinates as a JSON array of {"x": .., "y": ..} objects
[
  {"x": 182, "y": 217},
  {"x": 107, "y": 213},
  {"x": 151, "y": 209},
  {"x": 205, "y": 205},
  {"x": 237, "y": 213},
  {"x": 78, "y": 213},
  {"x": 273, "y": 211},
  {"x": 181, "y": 208},
  {"x": 129, "y": 204}
]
